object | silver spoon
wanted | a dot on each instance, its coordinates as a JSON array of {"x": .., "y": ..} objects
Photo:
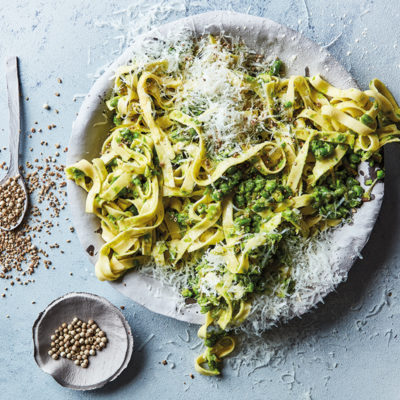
[{"x": 15, "y": 129}]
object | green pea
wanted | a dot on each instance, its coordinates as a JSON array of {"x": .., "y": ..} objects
[
  {"x": 127, "y": 135},
  {"x": 352, "y": 194},
  {"x": 380, "y": 174},
  {"x": 317, "y": 202},
  {"x": 322, "y": 152},
  {"x": 242, "y": 221},
  {"x": 358, "y": 190},
  {"x": 341, "y": 138},
  {"x": 250, "y": 287},
  {"x": 351, "y": 181},
  {"x": 287, "y": 190},
  {"x": 259, "y": 186},
  {"x": 224, "y": 188},
  {"x": 240, "y": 201},
  {"x": 216, "y": 195},
  {"x": 133, "y": 210},
  {"x": 249, "y": 186},
  {"x": 237, "y": 176},
  {"x": 111, "y": 218},
  {"x": 331, "y": 210},
  {"x": 204, "y": 310},
  {"x": 201, "y": 209},
  {"x": 136, "y": 181},
  {"x": 270, "y": 185},
  {"x": 259, "y": 206},
  {"x": 323, "y": 190},
  {"x": 366, "y": 120},
  {"x": 288, "y": 104},
  {"x": 354, "y": 203},
  {"x": 117, "y": 121},
  {"x": 114, "y": 101},
  {"x": 331, "y": 207},
  {"x": 181, "y": 218},
  {"x": 326, "y": 194},
  {"x": 340, "y": 175},
  {"x": 257, "y": 218},
  {"x": 211, "y": 211},
  {"x": 354, "y": 158},
  {"x": 192, "y": 132},
  {"x": 321, "y": 149},
  {"x": 259, "y": 180},
  {"x": 187, "y": 293},
  {"x": 278, "y": 196},
  {"x": 367, "y": 155},
  {"x": 339, "y": 191},
  {"x": 77, "y": 173},
  {"x": 248, "y": 196},
  {"x": 249, "y": 78}
]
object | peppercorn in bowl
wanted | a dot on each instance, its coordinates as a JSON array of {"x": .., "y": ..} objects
[{"x": 82, "y": 341}]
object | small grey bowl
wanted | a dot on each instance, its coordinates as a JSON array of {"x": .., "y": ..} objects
[{"x": 107, "y": 365}]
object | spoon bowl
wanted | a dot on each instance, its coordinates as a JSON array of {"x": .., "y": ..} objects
[{"x": 20, "y": 180}]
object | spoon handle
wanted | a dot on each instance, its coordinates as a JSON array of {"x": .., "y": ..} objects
[{"x": 14, "y": 109}]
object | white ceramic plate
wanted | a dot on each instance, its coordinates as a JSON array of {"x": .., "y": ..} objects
[{"x": 266, "y": 37}]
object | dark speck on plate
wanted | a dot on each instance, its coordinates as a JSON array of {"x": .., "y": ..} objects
[{"x": 90, "y": 250}]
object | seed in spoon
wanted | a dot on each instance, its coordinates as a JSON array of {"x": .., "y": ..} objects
[{"x": 12, "y": 200}]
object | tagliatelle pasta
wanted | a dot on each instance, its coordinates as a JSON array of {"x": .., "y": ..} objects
[{"x": 215, "y": 160}]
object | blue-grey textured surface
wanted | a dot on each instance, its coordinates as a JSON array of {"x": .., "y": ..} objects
[{"x": 348, "y": 348}]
